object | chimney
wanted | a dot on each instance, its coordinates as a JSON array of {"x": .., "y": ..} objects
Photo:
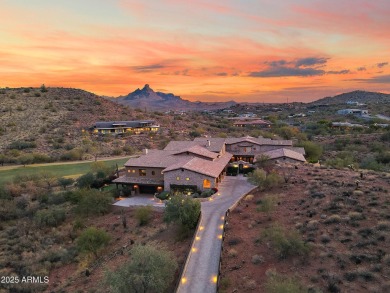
[
  {"x": 145, "y": 151},
  {"x": 208, "y": 143}
]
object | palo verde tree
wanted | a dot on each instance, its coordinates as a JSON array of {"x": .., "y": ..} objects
[
  {"x": 92, "y": 240},
  {"x": 183, "y": 210}
]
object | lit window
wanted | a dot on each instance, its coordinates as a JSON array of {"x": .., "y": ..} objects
[
  {"x": 177, "y": 178},
  {"x": 142, "y": 172},
  {"x": 188, "y": 178},
  {"x": 133, "y": 171},
  {"x": 128, "y": 171}
]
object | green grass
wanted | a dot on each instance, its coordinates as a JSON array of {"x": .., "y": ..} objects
[{"x": 59, "y": 170}]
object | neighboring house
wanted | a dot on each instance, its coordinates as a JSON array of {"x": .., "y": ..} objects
[
  {"x": 189, "y": 166},
  {"x": 254, "y": 123},
  {"x": 346, "y": 125},
  {"x": 355, "y": 103},
  {"x": 352, "y": 111},
  {"x": 119, "y": 127},
  {"x": 284, "y": 155}
]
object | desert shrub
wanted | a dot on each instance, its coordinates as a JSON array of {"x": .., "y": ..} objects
[
  {"x": 150, "y": 269},
  {"x": 263, "y": 180},
  {"x": 85, "y": 181},
  {"x": 43, "y": 88},
  {"x": 26, "y": 159},
  {"x": 325, "y": 238},
  {"x": 281, "y": 284},
  {"x": 117, "y": 152},
  {"x": 333, "y": 219},
  {"x": 21, "y": 145},
  {"x": 312, "y": 225},
  {"x": 92, "y": 202},
  {"x": 249, "y": 197},
  {"x": 313, "y": 151},
  {"x": 234, "y": 241},
  {"x": 56, "y": 199},
  {"x": 4, "y": 194},
  {"x": 232, "y": 252},
  {"x": 207, "y": 193},
  {"x": 65, "y": 182},
  {"x": 143, "y": 215},
  {"x": 224, "y": 283},
  {"x": 356, "y": 216},
  {"x": 50, "y": 218},
  {"x": 163, "y": 195},
  {"x": 383, "y": 226},
  {"x": 257, "y": 259},
  {"x": 386, "y": 260},
  {"x": 183, "y": 210},
  {"x": 267, "y": 204},
  {"x": 92, "y": 240},
  {"x": 365, "y": 232},
  {"x": 285, "y": 243}
]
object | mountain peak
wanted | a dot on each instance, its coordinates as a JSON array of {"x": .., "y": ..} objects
[{"x": 146, "y": 87}]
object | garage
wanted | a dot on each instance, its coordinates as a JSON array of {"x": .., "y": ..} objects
[{"x": 147, "y": 189}]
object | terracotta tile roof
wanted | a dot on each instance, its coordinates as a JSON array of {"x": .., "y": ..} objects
[
  {"x": 138, "y": 180},
  {"x": 198, "y": 150},
  {"x": 156, "y": 158},
  {"x": 259, "y": 141},
  {"x": 284, "y": 153},
  {"x": 297, "y": 149},
  {"x": 210, "y": 168},
  {"x": 216, "y": 144}
]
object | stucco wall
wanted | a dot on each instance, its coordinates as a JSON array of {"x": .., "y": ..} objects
[
  {"x": 286, "y": 160},
  {"x": 157, "y": 172},
  {"x": 195, "y": 179}
]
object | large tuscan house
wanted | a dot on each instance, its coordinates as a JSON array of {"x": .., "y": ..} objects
[
  {"x": 120, "y": 127},
  {"x": 202, "y": 163}
]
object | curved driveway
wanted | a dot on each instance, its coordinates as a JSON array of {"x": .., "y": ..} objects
[{"x": 201, "y": 272}]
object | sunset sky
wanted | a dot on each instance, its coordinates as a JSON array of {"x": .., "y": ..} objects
[{"x": 246, "y": 50}]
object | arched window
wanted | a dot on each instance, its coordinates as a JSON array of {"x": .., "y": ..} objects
[{"x": 206, "y": 183}]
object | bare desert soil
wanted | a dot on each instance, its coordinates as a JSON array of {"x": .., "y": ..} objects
[
  {"x": 343, "y": 218},
  {"x": 72, "y": 277}
]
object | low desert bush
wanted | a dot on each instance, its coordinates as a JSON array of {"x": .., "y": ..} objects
[
  {"x": 143, "y": 215},
  {"x": 281, "y": 284},
  {"x": 285, "y": 243},
  {"x": 50, "y": 217},
  {"x": 356, "y": 216},
  {"x": 333, "y": 219}
]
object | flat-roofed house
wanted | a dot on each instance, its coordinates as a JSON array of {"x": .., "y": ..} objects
[
  {"x": 259, "y": 123},
  {"x": 120, "y": 127}
]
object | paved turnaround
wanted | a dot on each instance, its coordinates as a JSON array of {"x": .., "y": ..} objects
[{"x": 201, "y": 271}]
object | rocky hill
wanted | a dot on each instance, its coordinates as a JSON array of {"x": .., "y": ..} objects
[
  {"x": 356, "y": 96},
  {"x": 147, "y": 98},
  {"x": 52, "y": 119}
]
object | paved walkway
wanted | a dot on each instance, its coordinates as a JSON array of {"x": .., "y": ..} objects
[
  {"x": 200, "y": 275},
  {"x": 139, "y": 200}
]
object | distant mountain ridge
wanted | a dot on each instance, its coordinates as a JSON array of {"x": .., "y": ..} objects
[
  {"x": 147, "y": 98},
  {"x": 355, "y": 96}
]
